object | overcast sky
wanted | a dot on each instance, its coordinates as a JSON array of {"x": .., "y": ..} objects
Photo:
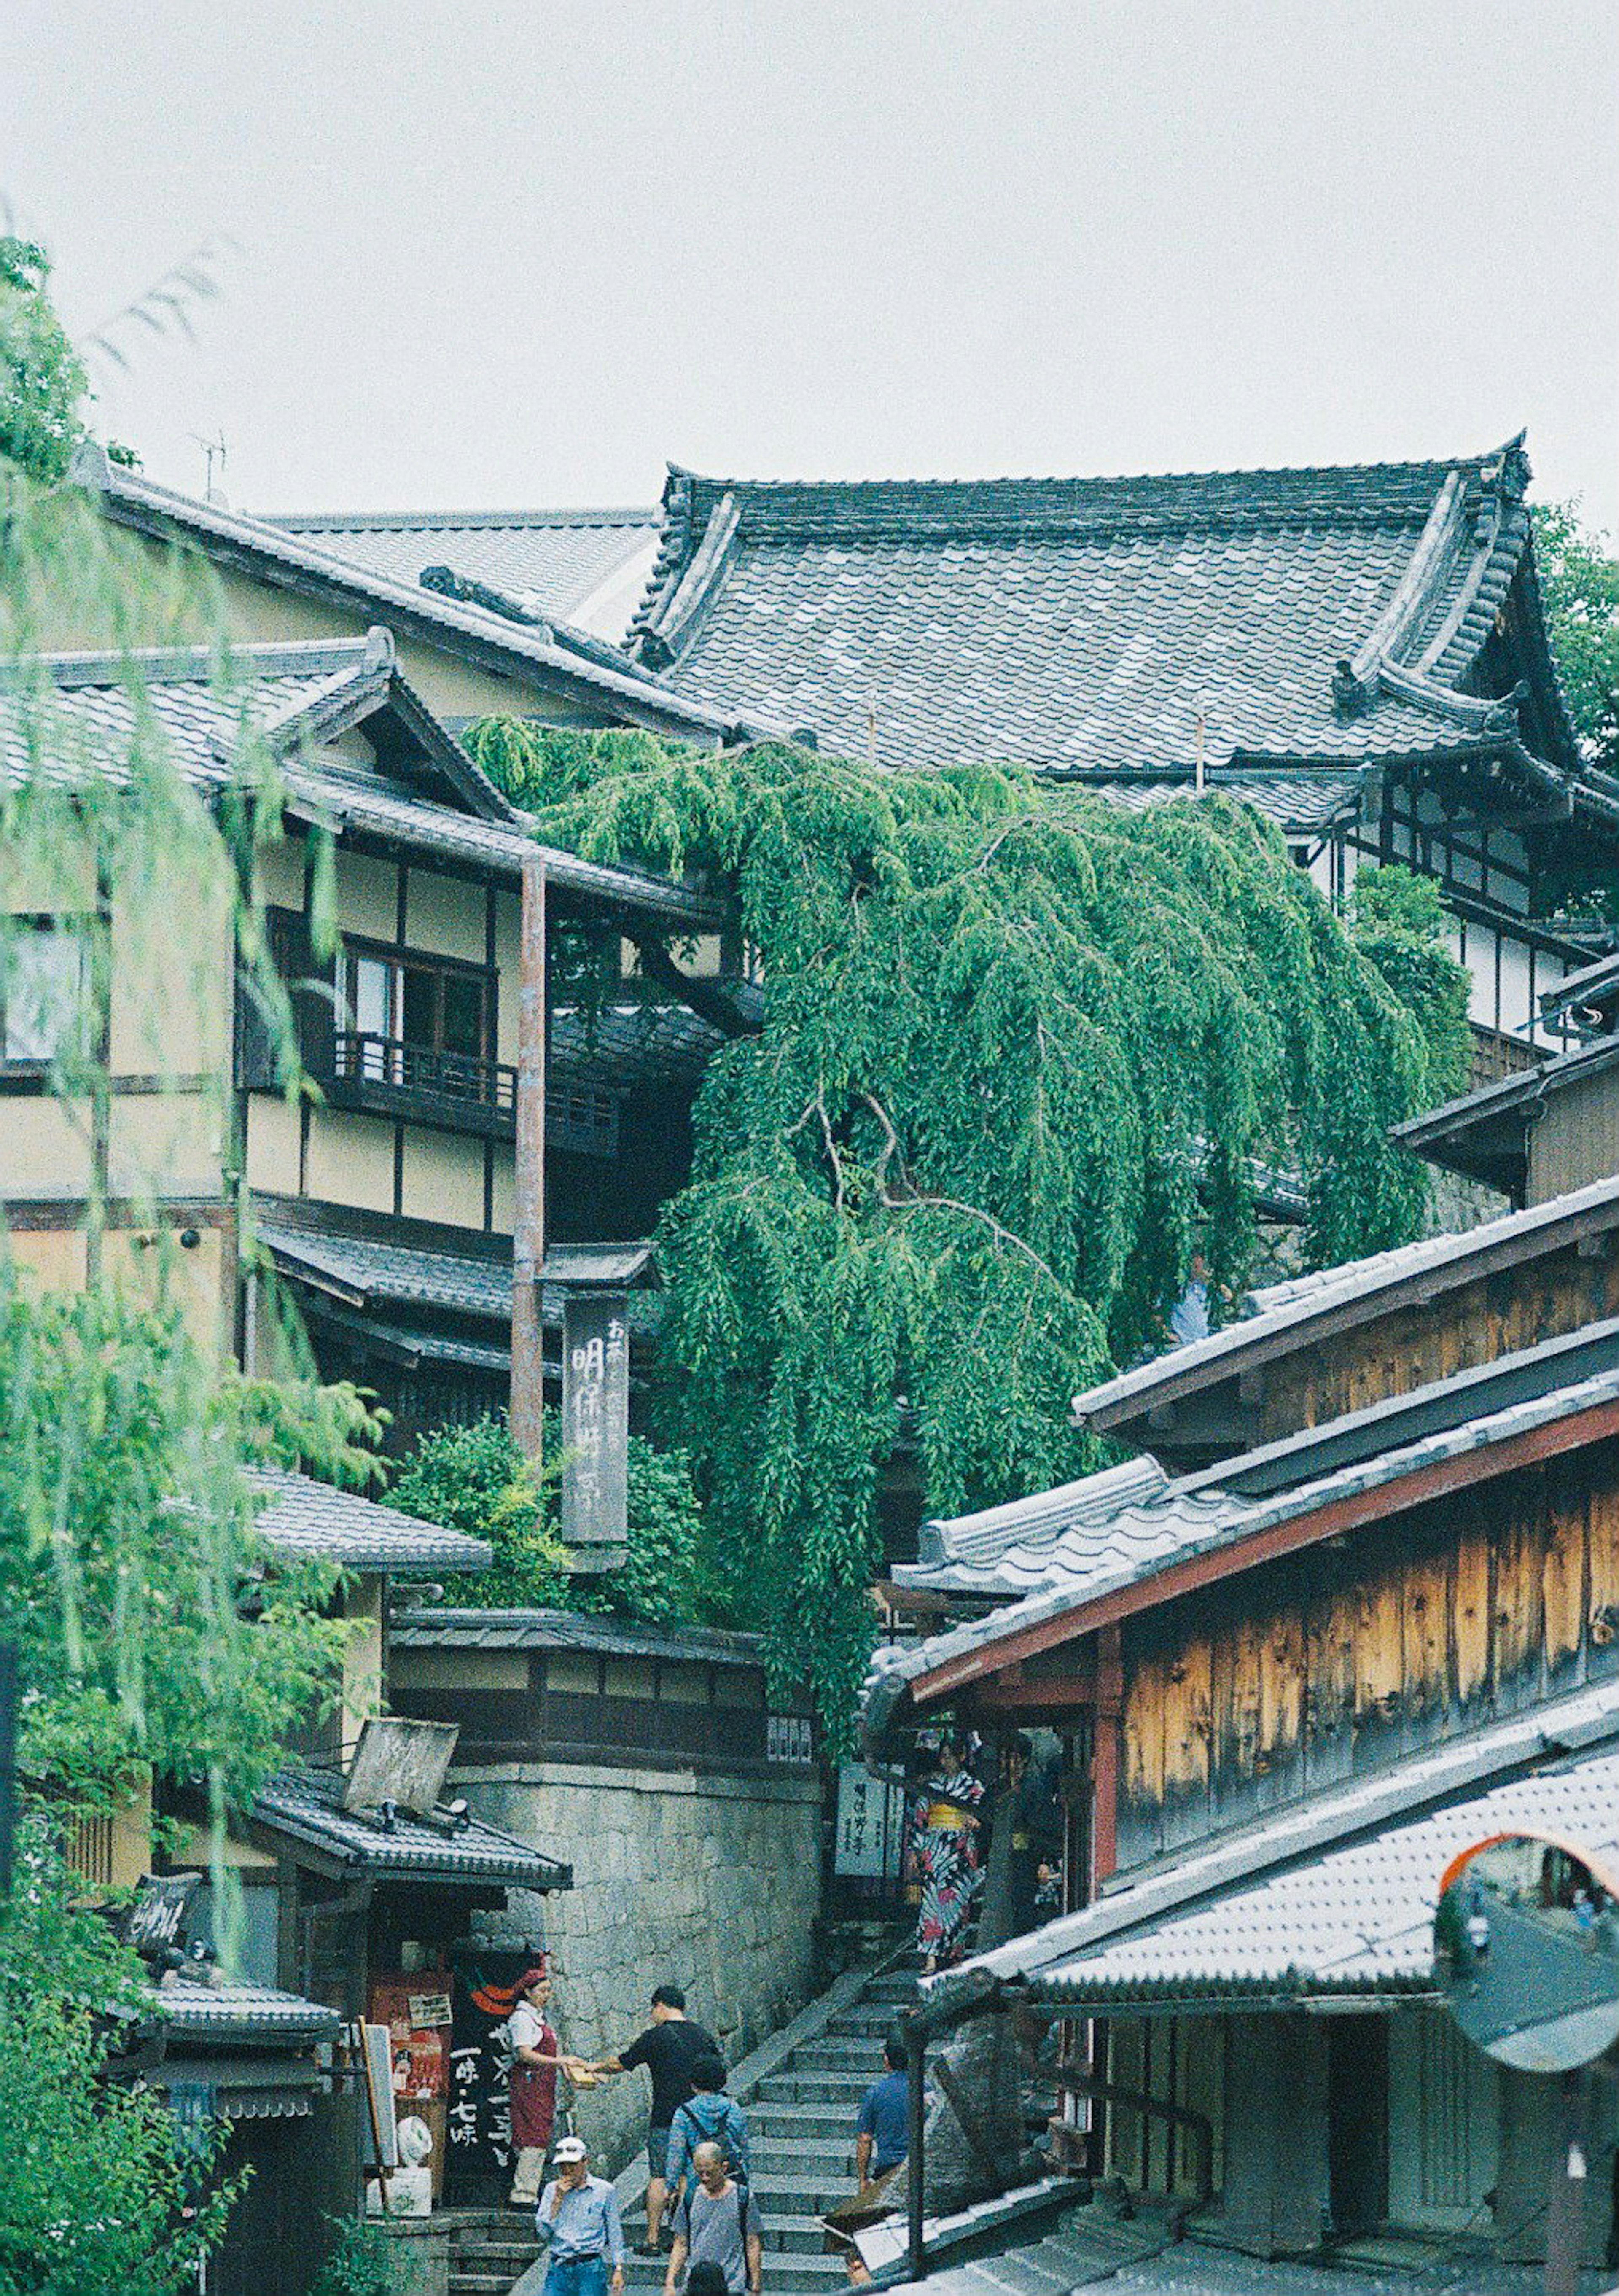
[{"x": 525, "y": 254}]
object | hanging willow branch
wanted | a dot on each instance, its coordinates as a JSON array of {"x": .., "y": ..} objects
[{"x": 1018, "y": 1051}]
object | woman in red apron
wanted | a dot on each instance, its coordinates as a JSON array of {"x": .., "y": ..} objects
[{"x": 537, "y": 2058}]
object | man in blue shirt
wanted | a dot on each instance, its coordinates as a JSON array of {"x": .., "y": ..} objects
[
  {"x": 578, "y": 2222},
  {"x": 884, "y": 2127}
]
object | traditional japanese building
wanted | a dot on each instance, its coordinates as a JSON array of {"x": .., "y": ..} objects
[
  {"x": 1360, "y": 653},
  {"x": 386, "y": 1199},
  {"x": 1358, "y": 1597}
]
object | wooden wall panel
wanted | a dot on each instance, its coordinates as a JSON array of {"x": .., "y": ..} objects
[
  {"x": 1397, "y": 1353},
  {"x": 1187, "y": 1730},
  {"x": 1290, "y": 1677}
]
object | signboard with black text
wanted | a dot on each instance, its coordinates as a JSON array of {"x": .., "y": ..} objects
[{"x": 595, "y": 1421}]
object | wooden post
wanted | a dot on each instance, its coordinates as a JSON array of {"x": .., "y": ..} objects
[
  {"x": 916, "y": 2099},
  {"x": 528, "y": 1223}
]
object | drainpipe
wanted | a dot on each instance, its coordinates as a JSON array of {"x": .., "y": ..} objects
[{"x": 528, "y": 1224}]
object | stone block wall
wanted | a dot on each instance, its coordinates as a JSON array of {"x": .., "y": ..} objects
[{"x": 711, "y": 1882}]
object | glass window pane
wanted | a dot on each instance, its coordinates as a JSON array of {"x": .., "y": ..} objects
[
  {"x": 419, "y": 1007},
  {"x": 372, "y": 981},
  {"x": 463, "y": 1013},
  {"x": 45, "y": 992}
]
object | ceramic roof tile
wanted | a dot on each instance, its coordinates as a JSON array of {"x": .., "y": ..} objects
[
  {"x": 368, "y": 1271},
  {"x": 231, "y": 2011},
  {"x": 302, "y": 1517},
  {"x": 559, "y": 557},
  {"x": 1050, "y": 1558},
  {"x": 1337, "y": 1896},
  {"x": 445, "y": 1627},
  {"x": 69, "y": 717},
  {"x": 1442, "y": 1260},
  {"x": 1092, "y": 624},
  {"x": 305, "y": 1805}
]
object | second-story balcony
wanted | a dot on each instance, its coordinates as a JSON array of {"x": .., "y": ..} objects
[
  {"x": 456, "y": 1092},
  {"x": 389, "y": 1076}
]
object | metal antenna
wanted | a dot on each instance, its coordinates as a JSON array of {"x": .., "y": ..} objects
[{"x": 210, "y": 447}]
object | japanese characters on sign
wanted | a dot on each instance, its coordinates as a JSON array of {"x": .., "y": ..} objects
[
  {"x": 595, "y": 1418},
  {"x": 871, "y": 1822}
]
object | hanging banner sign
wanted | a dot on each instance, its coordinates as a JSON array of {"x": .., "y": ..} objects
[
  {"x": 871, "y": 1821},
  {"x": 596, "y": 1420}
]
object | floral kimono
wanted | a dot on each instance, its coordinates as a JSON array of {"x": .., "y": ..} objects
[{"x": 946, "y": 1854}]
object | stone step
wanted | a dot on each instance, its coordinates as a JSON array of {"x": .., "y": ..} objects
[
  {"x": 797, "y": 2142},
  {"x": 871, "y": 2026},
  {"x": 770, "y": 2123},
  {"x": 814, "y": 2085},
  {"x": 842, "y": 2052}
]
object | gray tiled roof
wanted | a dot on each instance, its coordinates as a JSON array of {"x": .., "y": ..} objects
[
  {"x": 1106, "y": 1550},
  {"x": 542, "y": 655},
  {"x": 1339, "y": 1896},
  {"x": 1090, "y": 623},
  {"x": 558, "y": 557},
  {"x": 365, "y": 1271},
  {"x": 1151, "y": 2254},
  {"x": 77, "y": 715},
  {"x": 306, "y": 1518},
  {"x": 1485, "y": 1134},
  {"x": 1365, "y": 1286},
  {"x": 304, "y": 1805},
  {"x": 237, "y": 2012},
  {"x": 999, "y": 1551},
  {"x": 1596, "y": 985},
  {"x": 1305, "y": 802},
  {"x": 448, "y": 1628}
]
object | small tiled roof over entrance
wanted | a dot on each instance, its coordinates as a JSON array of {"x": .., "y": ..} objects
[
  {"x": 302, "y": 1517},
  {"x": 303, "y": 1806},
  {"x": 1107, "y": 628}
]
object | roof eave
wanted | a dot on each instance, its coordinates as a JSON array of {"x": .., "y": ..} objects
[{"x": 231, "y": 540}]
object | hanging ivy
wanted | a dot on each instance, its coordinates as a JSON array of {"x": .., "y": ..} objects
[{"x": 1019, "y": 1050}]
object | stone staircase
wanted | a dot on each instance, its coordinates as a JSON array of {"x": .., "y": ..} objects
[{"x": 801, "y": 2120}]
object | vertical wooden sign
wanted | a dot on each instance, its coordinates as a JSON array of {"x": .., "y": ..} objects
[{"x": 595, "y": 1425}]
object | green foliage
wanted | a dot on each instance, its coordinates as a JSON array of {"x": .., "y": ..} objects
[
  {"x": 1021, "y": 1047},
  {"x": 41, "y": 380},
  {"x": 100, "y": 2187},
  {"x": 1401, "y": 925},
  {"x": 364, "y": 2261},
  {"x": 154, "y": 1630},
  {"x": 473, "y": 1479},
  {"x": 1579, "y": 588}
]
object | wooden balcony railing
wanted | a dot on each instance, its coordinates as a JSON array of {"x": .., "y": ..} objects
[
  {"x": 422, "y": 1071},
  {"x": 453, "y": 1092}
]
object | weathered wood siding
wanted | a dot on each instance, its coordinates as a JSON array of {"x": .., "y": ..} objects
[
  {"x": 1574, "y": 1139},
  {"x": 1349, "y": 1656},
  {"x": 1398, "y": 1353}
]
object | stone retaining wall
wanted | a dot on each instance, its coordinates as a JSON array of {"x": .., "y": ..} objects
[{"x": 713, "y": 1882}]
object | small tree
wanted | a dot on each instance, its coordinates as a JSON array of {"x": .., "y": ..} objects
[
  {"x": 42, "y": 377},
  {"x": 1580, "y": 586}
]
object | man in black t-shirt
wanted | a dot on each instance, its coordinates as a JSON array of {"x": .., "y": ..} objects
[{"x": 670, "y": 2049}]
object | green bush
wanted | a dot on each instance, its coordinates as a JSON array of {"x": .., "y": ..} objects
[{"x": 473, "y": 1479}]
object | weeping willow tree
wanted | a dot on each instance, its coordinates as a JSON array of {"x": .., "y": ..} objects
[
  {"x": 154, "y": 1634},
  {"x": 1019, "y": 1053}
]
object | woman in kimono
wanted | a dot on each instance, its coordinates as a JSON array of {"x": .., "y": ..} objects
[{"x": 945, "y": 1849}]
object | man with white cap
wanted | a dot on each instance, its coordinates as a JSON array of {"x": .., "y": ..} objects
[{"x": 578, "y": 2225}]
